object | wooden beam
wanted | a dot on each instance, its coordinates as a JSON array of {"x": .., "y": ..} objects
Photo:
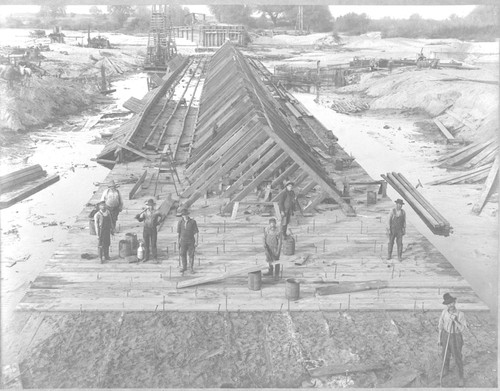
[
  {"x": 348, "y": 287},
  {"x": 137, "y": 185},
  {"x": 331, "y": 370},
  {"x": 261, "y": 177},
  {"x": 20, "y": 177},
  {"x": 285, "y": 175},
  {"x": 487, "y": 188},
  {"x": 315, "y": 201},
  {"x": 29, "y": 191},
  {"x": 220, "y": 277},
  {"x": 443, "y": 130},
  {"x": 135, "y": 151}
]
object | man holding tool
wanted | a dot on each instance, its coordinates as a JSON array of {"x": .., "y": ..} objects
[
  {"x": 451, "y": 325},
  {"x": 187, "y": 231},
  {"x": 152, "y": 218}
]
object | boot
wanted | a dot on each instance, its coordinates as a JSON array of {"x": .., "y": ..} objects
[
  {"x": 100, "y": 252},
  {"x": 270, "y": 271},
  {"x": 191, "y": 266},
  {"x": 106, "y": 254},
  {"x": 283, "y": 231}
]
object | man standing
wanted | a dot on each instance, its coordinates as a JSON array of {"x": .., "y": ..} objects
[
  {"x": 103, "y": 229},
  {"x": 287, "y": 205},
  {"x": 397, "y": 228},
  {"x": 451, "y": 325},
  {"x": 272, "y": 244},
  {"x": 152, "y": 218},
  {"x": 187, "y": 231},
  {"x": 113, "y": 200}
]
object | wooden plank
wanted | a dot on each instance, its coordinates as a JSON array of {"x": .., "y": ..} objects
[
  {"x": 331, "y": 370},
  {"x": 400, "y": 379},
  {"x": 135, "y": 151},
  {"x": 487, "y": 188},
  {"x": 293, "y": 110},
  {"x": 467, "y": 155},
  {"x": 133, "y": 104},
  {"x": 91, "y": 122},
  {"x": 285, "y": 175},
  {"x": 443, "y": 130},
  {"x": 29, "y": 191},
  {"x": 459, "y": 119},
  {"x": 235, "y": 210},
  {"x": 220, "y": 277},
  {"x": 20, "y": 178},
  {"x": 348, "y": 287},
  {"x": 456, "y": 178},
  {"x": 138, "y": 184},
  {"x": 20, "y": 173},
  {"x": 315, "y": 201}
]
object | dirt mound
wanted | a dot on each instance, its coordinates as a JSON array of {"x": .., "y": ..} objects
[
  {"x": 24, "y": 107},
  {"x": 472, "y": 95}
]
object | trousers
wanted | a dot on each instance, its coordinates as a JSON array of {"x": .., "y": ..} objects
[
  {"x": 398, "y": 237},
  {"x": 149, "y": 235},
  {"x": 454, "y": 348},
  {"x": 186, "y": 249}
]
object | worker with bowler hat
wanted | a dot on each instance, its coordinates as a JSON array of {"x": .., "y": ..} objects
[
  {"x": 397, "y": 229},
  {"x": 113, "y": 200},
  {"x": 187, "y": 231},
  {"x": 152, "y": 218},
  {"x": 103, "y": 229},
  {"x": 452, "y": 323},
  {"x": 287, "y": 206}
]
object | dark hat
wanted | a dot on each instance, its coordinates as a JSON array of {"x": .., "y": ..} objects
[
  {"x": 289, "y": 183},
  {"x": 112, "y": 184},
  {"x": 448, "y": 299},
  {"x": 400, "y": 201},
  {"x": 184, "y": 212},
  {"x": 150, "y": 202}
]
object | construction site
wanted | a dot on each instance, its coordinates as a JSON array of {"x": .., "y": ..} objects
[{"x": 220, "y": 133}]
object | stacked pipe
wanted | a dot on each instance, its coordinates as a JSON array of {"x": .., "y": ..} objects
[{"x": 430, "y": 216}]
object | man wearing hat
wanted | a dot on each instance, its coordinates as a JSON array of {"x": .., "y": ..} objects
[
  {"x": 287, "y": 206},
  {"x": 397, "y": 228},
  {"x": 451, "y": 325},
  {"x": 113, "y": 200},
  {"x": 152, "y": 218},
  {"x": 187, "y": 231},
  {"x": 103, "y": 229}
]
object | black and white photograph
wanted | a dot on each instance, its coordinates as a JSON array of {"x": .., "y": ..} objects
[{"x": 212, "y": 194}]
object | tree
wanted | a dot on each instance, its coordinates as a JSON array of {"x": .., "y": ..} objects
[
  {"x": 53, "y": 9},
  {"x": 119, "y": 14},
  {"x": 317, "y": 18},
  {"x": 232, "y": 14},
  {"x": 352, "y": 23},
  {"x": 275, "y": 12},
  {"x": 95, "y": 11}
]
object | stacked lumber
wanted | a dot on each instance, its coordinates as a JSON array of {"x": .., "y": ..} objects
[
  {"x": 474, "y": 162},
  {"x": 429, "y": 215},
  {"x": 346, "y": 106},
  {"x": 20, "y": 177}
]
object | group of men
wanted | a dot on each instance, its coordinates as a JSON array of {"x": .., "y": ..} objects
[{"x": 109, "y": 207}]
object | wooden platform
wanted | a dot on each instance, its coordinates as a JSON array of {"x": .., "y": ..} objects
[{"x": 341, "y": 248}]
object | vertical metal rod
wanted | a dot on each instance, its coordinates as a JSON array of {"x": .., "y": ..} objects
[
  {"x": 226, "y": 302},
  {"x": 170, "y": 273},
  {"x": 223, "y": 246},
  {"x": 349, "y": 302},
  {"x": 324, "y": 245},
  {"x": 224, "y": 225},
  {"x": 361, "y": 229},
  {"x": 392, "y": 275},
  {"x": 218, "y": 309},
  {"x": 335, "y": 274},
  {"x": 281, "y": 307}
]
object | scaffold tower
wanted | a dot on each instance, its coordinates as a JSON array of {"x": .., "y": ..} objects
[{"x": 161, "y": 42}]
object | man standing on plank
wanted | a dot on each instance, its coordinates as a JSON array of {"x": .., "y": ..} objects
[
  {"x": 187, "y": 231},
  {"x": 152, "y": 218},
  {"x": 103, "y": 229},
  {"x": 397, "y": 228},
  {"x": 272, "y": 244},
  {"x": 452, "y": 323}
]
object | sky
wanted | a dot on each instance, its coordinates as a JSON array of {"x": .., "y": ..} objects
[{"x": 438, "y": 12}]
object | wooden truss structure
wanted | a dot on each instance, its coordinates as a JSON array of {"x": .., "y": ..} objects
[{"x": 244, "y": 139}]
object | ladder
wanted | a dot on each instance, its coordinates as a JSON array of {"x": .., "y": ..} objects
[{"x": 166, "y": 156}]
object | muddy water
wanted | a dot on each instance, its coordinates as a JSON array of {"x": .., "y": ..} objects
[{"x": 33, "y": 228}]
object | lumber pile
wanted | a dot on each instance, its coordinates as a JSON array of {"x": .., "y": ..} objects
[
  {"x": 488, "y": 188},
  {"x": 26, "y": 192},
  {"x": 473, "y": 161},
  {"x": 429, "y": 215},
  {"x": 346, "y": 106},
  {"x": 18, "y": 178}
]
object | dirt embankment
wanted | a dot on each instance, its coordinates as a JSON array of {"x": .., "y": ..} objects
[
  {"x": 67, "y": 81},
  {"x": 255, "y": 350}
]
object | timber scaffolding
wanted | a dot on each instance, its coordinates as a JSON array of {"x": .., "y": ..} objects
[
  {"x": 303, "y": 78},
  {"x": 259, "y": 138},
  {"x": 211, "y": 35}
]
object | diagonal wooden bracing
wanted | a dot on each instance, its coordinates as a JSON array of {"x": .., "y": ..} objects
[{"x": 237, "y": 115}]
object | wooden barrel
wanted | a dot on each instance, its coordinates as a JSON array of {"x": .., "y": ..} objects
[
  {"x": 288, "y": 246},
  {"x": 255, "y": 280},
  {"x": 134, "y": 243},
  {"x": 92, "y": 227},
  {"x": 124, "y": 248},
  {"x": 371, "y": 198},
  {"x": 292, "y": 289}
]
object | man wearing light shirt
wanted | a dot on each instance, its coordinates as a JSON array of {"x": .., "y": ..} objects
[{"x": 451, "y": 325}]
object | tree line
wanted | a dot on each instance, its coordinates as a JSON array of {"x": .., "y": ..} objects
[{"x": 480, "y": 24}]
